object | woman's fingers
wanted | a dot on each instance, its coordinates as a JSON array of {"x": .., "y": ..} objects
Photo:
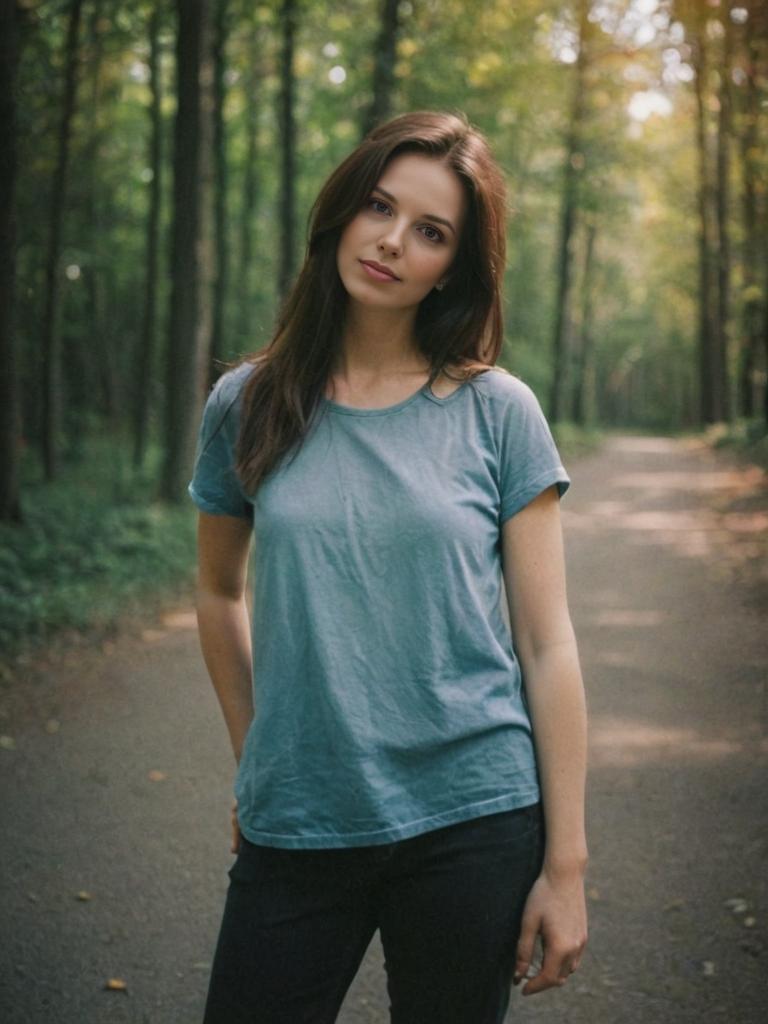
[
  {"x": 557, "y": 967},
  {"x": 529, "y": 929}
]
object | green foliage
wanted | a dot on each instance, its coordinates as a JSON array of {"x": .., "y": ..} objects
[
  {"x": 747, "y": 437},
  {"x": 90, "y": 548}
]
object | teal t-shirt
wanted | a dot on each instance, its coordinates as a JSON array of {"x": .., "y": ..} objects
[{"x": 388, "y": 696}]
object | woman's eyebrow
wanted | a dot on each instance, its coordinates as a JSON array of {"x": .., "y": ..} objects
[{"x": 427, "y": 216}]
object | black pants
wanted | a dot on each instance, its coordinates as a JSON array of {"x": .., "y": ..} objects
[{"x": 448, "y": 905}]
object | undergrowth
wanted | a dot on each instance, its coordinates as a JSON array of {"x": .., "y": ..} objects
[{"x": 92, "y": 546}]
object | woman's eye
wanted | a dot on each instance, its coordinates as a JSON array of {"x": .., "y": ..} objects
[
  {"x": 378, "y": 202},
  {"x": 436, "y": 235}
]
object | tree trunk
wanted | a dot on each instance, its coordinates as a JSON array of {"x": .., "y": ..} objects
[
  {"x": 723, "y": 255},
  {"x": 708, "y": 281},
  {"x": 94, "y": 348},
  {"x": 749, "y": 146},
  {"x": 574, "y": 164},
  {"x": 189, "y": 320},
  {"x": 287, "y": 206},
  {"x": 384, "y": 57},
  {"x": 10, "y": 507},
  {"x": 583, "y": 387},
  {"x": 145, "y": 362},
  {"x": 250, "y": 190},
  {"x": 220, "y": 191},
  {"x": 50, "y": 333}
]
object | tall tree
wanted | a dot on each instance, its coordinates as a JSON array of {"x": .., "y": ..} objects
[
  {"x": 10, "y": 507},
  {"x": 723, "y": 212},
  {"x": 189, "y": 319},
  {"x": 96, "y": 343},
  {"x": 750, "y": 153},
  {"x": 221, "y": 219},
  {"x": 287, "y": 120},
  {"x": 50, "y": 332},
  {"x": 711, "y": 143},
  {"x": 573, "y": 167},
  {"x": 384, "y": 57},
  {"x": 250, "y": 188},
  {"x": 583, "y": 362},
  {"x": 145, "y": 361}
]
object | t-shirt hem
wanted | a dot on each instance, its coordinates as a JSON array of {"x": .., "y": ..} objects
[
  {"x": 509, "y": 802},
  {"x": 211, "y": 507},
  {"x": 555, "y": 475}
]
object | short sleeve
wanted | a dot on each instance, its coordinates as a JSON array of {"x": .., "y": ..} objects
[
  {"x": 529, "y": 461},
  {"x": 215, "y": 487}
]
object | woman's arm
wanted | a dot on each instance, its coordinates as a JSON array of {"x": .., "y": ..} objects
[
  {"x": 223, "y": 543},
  {"x": 534, "y": 576}
]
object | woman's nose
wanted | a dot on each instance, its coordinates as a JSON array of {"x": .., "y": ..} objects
[{"x": 392, "y": 239}]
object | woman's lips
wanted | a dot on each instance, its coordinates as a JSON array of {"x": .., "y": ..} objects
[{"x": 377, "y": 275}]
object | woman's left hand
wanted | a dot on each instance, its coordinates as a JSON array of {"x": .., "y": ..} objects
[{"x": 556, "y": 911}]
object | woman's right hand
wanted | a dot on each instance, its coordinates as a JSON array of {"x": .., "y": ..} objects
[{"x": 235, "y": 830}]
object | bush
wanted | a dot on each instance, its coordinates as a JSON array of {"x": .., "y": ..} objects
[{"x": 92, "y": 546}]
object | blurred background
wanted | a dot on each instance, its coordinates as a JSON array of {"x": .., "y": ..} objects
[{"x": 157, "y": 166}]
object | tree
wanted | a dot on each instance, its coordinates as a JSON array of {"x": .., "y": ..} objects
[
  {"x": 50, "y": 333},
  {"x": 220, "y": 191},
  {"x": 10, "y": 507},
  {"x": 385, "y": 52},
  {"x": 287, "y": 121},
  {"x": 144, "y": 363},
  {"x": 189, "y": 319},
  {"x": 573, "y": 166},
  {"x": 250, "y": 186}
]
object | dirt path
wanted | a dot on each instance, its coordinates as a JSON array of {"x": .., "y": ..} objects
[{"x": 115, "y": 777}]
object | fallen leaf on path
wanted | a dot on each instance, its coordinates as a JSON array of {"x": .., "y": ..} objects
[
  {"x": 708, "y": 968},
  {"x": 737, "y": 904},
  {"x": 7, "y": 743},
  {"x": 116, "y": 985},
  {"x": 593, "y": 893},
  {"x": 83, "y": 896},
  {"x": 156, "y": 776},
  {"x": 677, "y": 904},
  {"x": 749, "y": 922},
  {"x": 52, "y": 726}
]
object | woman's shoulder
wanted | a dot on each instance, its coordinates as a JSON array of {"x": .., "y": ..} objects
[
  {"x": 501, "y": 386},
  {"x": 227, "y": 392}
]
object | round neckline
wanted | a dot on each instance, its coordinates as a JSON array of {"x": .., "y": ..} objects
[{"x": 425, "y": 390}]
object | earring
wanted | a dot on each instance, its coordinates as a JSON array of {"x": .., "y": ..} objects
[{"x": 440, "y": 285}]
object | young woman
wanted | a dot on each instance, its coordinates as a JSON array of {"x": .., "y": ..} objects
[{"x": 406, "y": 706}]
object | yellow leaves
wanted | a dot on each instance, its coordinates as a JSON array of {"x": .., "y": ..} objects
[
  {"x": 407, "y": 47},
  {"x": 116, "y": 985},
  {"x": 483, "y": 70},
  {"x": 156, "y": 776},
  {"x": 7, "y": 743},
  {"x": 83, "y": 896}
]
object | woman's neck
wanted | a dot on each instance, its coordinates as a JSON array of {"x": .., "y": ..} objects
[{"x": 379, "y": 343}]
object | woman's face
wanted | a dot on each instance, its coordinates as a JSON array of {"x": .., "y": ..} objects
[{"x": 410, "y": 225}]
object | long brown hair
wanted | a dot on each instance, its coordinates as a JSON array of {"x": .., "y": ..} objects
[{"x": 459, "y": 327}]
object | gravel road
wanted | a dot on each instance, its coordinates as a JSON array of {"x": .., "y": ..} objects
[{"x": 116, "y": 774}]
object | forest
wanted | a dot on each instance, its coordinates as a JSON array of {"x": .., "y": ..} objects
[{"x": 157, "y": 166}]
